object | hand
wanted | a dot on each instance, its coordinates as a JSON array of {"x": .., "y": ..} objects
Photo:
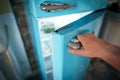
[
  {"x": 95, "y": 47},
  {"x": 92, "y": 46}
]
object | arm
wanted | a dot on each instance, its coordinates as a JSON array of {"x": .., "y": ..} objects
[{"x": 95, "y": 47}]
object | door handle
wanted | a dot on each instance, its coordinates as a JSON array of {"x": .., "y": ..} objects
[
  {"x": 50, "y": 7},
  {"x": 75, "y": 44}
]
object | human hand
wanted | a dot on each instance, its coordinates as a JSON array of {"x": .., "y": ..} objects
[
  {"x": 95, "y": 47},
  {"x": 92, "y": 46}
]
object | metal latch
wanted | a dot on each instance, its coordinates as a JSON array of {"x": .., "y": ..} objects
[{"x": 75, "y": 44}]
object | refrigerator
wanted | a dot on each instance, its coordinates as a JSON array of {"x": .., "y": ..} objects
[{"x": 52, "y": 25}]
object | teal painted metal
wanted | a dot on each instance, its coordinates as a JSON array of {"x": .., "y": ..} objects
[
  {"x": 68, "y": 66},
  {"x": 35, "y": 38},
  {"x": 80, "y": 6},
  {"x": 60, "y": 55}
]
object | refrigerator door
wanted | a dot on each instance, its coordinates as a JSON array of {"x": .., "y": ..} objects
[
  {"x": 68, "y": 66},
  {"x": 46, "y": 26},
  {"x": 48, "y": 8},
  {"x": 37, "y": 11}
]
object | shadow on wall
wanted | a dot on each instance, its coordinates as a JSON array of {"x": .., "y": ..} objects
[{"x": 112, "y": 24}]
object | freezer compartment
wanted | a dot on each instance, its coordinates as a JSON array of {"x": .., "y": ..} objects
[
  {"x": 49, "y": 8},
  {"x": 68, "y": 66}
]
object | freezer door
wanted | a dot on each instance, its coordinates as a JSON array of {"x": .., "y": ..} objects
[
  {"x": 68, "y": 66},
  {"x": 48, "y": 8}
]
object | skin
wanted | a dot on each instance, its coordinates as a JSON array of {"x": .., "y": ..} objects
[{"x": 94, "y": 47}]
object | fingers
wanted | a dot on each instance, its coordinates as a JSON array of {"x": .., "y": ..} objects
[
  {"x": 81, "y": 37},
  {"x": 84, "y": 38},
  {"x": 86, "y": 41},
  {"x": 79, "y": 52}
]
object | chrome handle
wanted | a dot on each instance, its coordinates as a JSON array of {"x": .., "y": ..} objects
[
  {"x": 49, "y": 7},
  {"x": 75, "y": 44}
]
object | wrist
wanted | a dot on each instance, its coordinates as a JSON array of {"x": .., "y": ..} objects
[
  {"x": 106, "y": 52},
  {"x": 112, "y": 56},
  {"x": 109, "y": 53}
]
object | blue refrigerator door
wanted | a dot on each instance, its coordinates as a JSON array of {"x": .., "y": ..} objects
[
  {"x": 49, "y": 8},
  {"x": 68, "y": 66}
]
